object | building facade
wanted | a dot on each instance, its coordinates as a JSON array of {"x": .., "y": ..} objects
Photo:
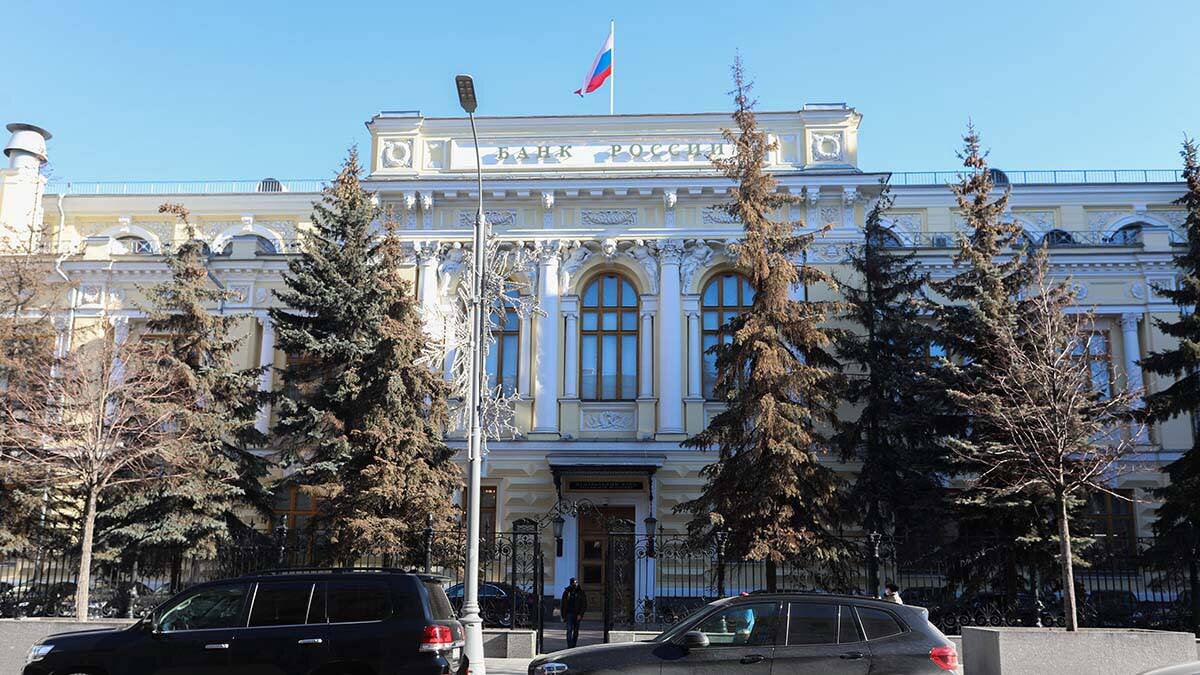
[{"x": 632, "y": 277}]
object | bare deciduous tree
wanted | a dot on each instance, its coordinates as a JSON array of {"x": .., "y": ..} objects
[
  {"x": 106, "y": 416},
  {"x": 1053, "y": 432}
]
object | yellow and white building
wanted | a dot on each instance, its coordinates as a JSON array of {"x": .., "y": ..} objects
[{"x": 632, "y": 274}]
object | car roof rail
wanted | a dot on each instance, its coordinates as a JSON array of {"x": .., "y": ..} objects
[{"x": 281, "y": 571}]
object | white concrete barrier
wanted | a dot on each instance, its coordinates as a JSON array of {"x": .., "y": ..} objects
[{"x": 1112, "y": 651}]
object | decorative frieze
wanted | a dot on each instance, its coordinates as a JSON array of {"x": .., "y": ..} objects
[
  {"x": 716, "y": 215},
  {"x": 608, "y": 217},
  {"x": 497, "y": 218},
  {"x": 698, "y": 255}
]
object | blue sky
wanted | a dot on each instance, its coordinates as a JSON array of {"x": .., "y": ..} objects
[{"x": 158, "y": 90}]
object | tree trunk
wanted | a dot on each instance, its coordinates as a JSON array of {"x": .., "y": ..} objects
[
  {"x": 772, "y": 575},
  {"x": 83, "y": 580},
  {"x": 1068, "y": 571}
]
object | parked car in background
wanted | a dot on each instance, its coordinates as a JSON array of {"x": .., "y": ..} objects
[
  {"x": 496, "y": 603},
  {"x": 38, "y": 598},
  {"x": 285, "y": 623},
  {"x": 761, "y": 633},
  {"x": 1112, "y": 609}
]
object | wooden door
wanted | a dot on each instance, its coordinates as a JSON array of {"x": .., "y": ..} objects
[{"x": 594, "y": 540}]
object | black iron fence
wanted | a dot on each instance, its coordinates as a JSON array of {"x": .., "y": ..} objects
[
  {"x": 43, "y": 583},
  {"x": 652, "y": 582}
]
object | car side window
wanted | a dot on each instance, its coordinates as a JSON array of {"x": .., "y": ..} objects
[
  {"x": 811, "y": 623},
  {"x": 848, "y": 630},
  {"x": 879, "y": 624},
  {"x": 281, "y": 604},
  {"x": 218, "y": 607},
  {"x": 350, "y": 602},
  {"x": 745, "y": 624}
]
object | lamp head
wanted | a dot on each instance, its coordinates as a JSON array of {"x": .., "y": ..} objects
[{"x": 466, "y": 93}]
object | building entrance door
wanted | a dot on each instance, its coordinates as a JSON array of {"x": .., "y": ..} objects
[{"x": 594, "y": 540}]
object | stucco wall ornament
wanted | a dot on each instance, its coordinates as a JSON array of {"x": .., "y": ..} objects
[
  {"x": 827, "y": 147},
  {"x": 1079, "y": 288},
  {"x": 452, "y": 263},
  {"x": 397, "y": 154},
  {"x": 608, "y": 248},
  {"x": 830, "y": 214},
  {"x": 644, "y": 255},
  {"x": 608, "y": 420},
  {"x": 91, "y": 294},
  {"x": 577, "y": 254},
  {"x": 698, "y": 255},
  {"x": 716, "y": 215},
  {"x": 261, "y": 294},
  {"x": 1137, "y": 290},
  {"x": 609, "y": 217},
  {"x": 1098, "y": 220}
]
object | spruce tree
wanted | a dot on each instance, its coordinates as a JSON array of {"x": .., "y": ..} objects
[
  {"x": 209, "y": 506},
  {"x": 360, "y": 420},
  {"x": 982, "y": 302},
  {"x": 899, "y": 487},
  {"x": 1177, "y": 524},
  {"x": 768, "y": 488}
]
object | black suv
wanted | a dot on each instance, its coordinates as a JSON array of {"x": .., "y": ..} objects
[
  {"x": 761, "y": 633},
  {"x": 276, "y": 623}
]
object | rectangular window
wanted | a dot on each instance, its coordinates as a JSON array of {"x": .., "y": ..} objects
[
  {"x": 284, "y": 604},
  {"x": 1114, "y": 520},
  {"x": 1093, "y": 348},
  {"x": 487, "y": 510}
]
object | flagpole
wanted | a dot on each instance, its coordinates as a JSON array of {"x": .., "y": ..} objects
[{"x": 612, "y": 63}]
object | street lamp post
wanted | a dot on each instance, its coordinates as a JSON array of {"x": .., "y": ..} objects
[{"x": 472, "y": 622}]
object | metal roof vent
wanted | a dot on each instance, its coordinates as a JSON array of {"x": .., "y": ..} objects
[
  {"x": 998, "y": 177},
  {"x": 270, "y": 185},
  {"x": 27, "y": 147}
]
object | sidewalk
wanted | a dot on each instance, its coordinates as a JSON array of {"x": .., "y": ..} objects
[{"x": 507, "y": 666}]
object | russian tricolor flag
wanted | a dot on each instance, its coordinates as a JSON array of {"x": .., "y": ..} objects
[{"x": 601, "y": 68}]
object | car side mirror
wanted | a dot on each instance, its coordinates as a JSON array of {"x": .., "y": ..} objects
[{"x": 694, "y": 639}]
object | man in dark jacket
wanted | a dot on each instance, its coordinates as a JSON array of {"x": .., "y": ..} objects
[{"x": 572, "y": 609}]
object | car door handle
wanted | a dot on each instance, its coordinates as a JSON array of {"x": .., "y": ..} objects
[
  {"x": 852, "y": 656},
  {"x": 753, "y": 658},
  {"x": 311, "y": 641},
  {"x": 217, "y": 645}
]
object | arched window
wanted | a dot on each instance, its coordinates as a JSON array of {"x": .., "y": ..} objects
[
  {"x": 1128, "y": 235},
  {"x": 1058, "y": 238},
  {"x": 134, "y": 245},
  {"x": 724, "y": 297},
  {"x": 502, "y": 357},
  {"x": 262, "y": 245},
  {"x": 886, "y": 239},
  {"x": 608, "y": 359}
]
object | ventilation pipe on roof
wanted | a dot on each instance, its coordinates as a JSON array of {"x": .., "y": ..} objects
[{"x": 27, "y": 147}]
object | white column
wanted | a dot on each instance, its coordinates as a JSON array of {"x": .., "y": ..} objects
[
  {"x": 570, "y": 309},
  {"x": 695, "y": 357},
  {"x": 266, "y": 360},
  {"x": 545, "y": 383},
  {"x": 1133, "y": 371},
  {"x": 525, "y": 358},
  {"x": 670, "y": 399},
  {"x": 646, "y": 366}
]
